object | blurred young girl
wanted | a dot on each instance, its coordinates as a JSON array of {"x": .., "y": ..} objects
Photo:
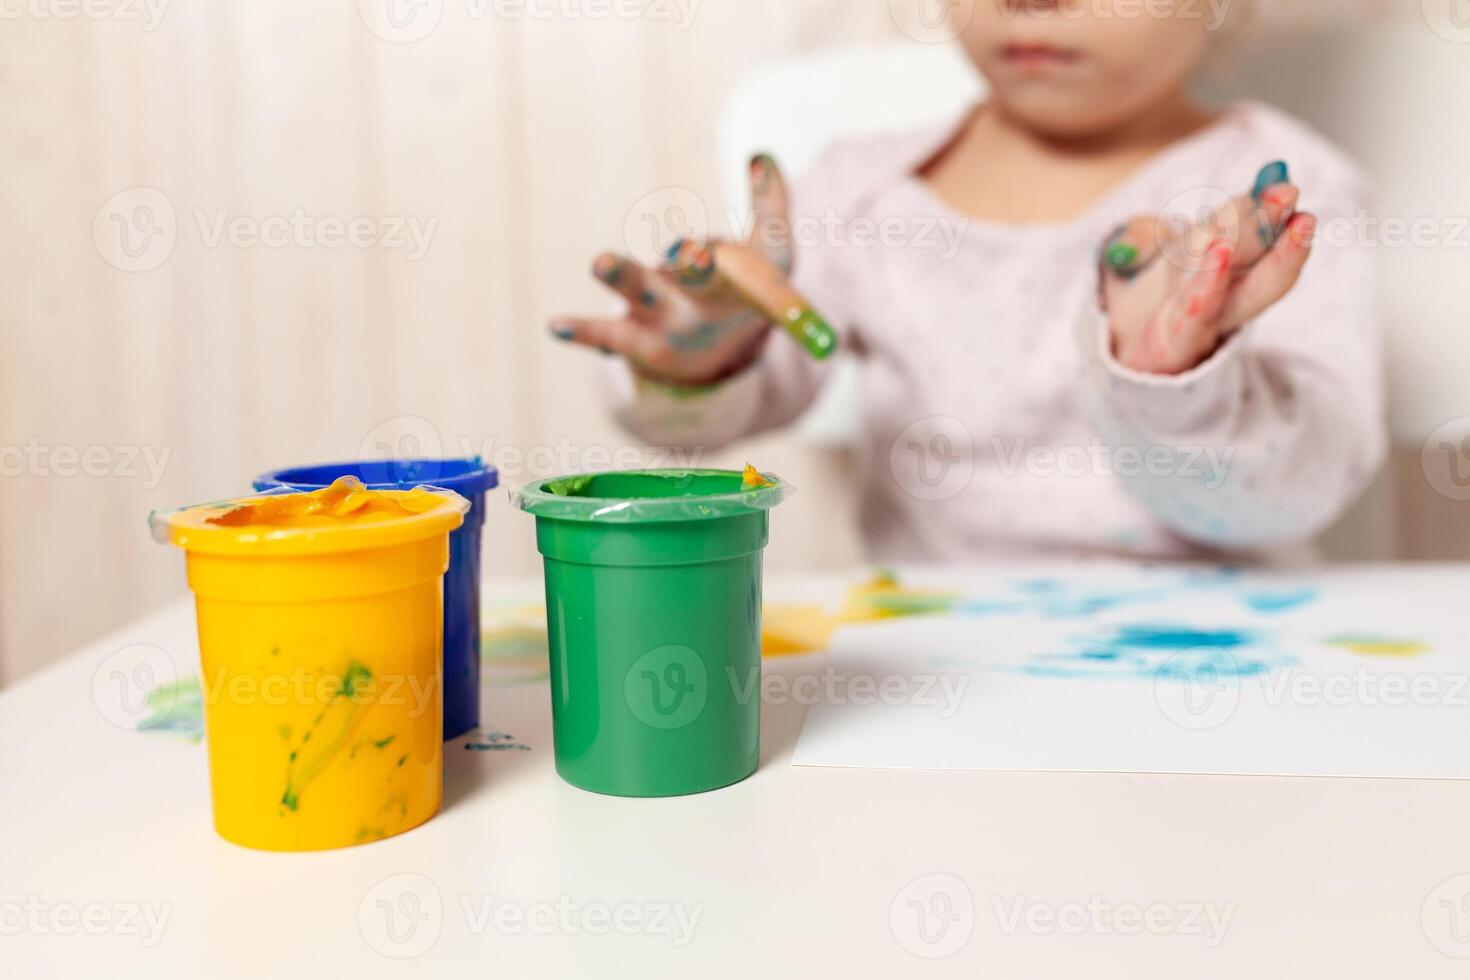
[{"x": 1086, "y": 373}]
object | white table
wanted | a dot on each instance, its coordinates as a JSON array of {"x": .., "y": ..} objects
[{"x": 796, "y": 871}]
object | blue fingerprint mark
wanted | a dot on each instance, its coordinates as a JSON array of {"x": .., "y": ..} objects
[
  {"x": 1150, "y": 650},
  {"x": 1179, "y": 637},
  {"x": 1280, "y": 600},
  {"x": 1057, "y": 598},
  {"x": 990, "y": 607}
]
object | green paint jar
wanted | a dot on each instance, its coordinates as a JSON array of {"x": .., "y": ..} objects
[{"x": 653, "y": 610}]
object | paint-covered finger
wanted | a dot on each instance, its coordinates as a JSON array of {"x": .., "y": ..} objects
[
  {"x": 760, "y": 283},
  {"x": 1205, "y": 293},
  {"x": 1130, "y": 248},
  {"x": 1185, "y": 331},
  {"x": 611, "y": 336},
  {"x": 631, "y": 281},
  {"x": 690, "y": 266},
  {"x": 770, "y": 204},
  {"x": 1273, "y": 276},
  {"x": 1271, "y": 175},
  {"x": 1261, "y": 220}
]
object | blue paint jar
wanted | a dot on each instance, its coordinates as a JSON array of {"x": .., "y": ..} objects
[{"x": 470, "y": 478}]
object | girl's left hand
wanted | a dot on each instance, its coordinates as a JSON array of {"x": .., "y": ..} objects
[{"x": 1174, "y": 295}]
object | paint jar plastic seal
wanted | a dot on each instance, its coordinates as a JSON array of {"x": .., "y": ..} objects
[{"x": 656, "y": 495}]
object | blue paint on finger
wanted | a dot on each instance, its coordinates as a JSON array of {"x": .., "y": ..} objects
[{"x": 1271, "y": 174}]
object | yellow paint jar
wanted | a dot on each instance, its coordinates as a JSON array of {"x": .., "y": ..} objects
[{"x": 320, "y": 635}]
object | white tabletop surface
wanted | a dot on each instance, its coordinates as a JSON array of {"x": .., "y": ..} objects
[{"x": 109, "y": 865}]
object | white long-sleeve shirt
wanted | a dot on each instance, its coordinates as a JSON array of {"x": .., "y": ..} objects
[{"x": 995, "y": 420}]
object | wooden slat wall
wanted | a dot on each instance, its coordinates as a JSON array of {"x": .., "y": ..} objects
[{"x": 526, "y": 140}]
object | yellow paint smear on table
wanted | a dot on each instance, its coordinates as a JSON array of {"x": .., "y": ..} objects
[
  {"x": 1375, "y": 646},
  {"x": 790, "y": 630}
]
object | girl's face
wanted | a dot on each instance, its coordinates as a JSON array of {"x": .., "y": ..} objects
[{"x": 1075, "y": 68}]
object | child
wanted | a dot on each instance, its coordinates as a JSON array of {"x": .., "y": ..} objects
[{"x": 1085, "y": 373}]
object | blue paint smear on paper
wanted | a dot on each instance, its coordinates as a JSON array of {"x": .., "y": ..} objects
[
  {"x": 1154, "y": 650},
  {"x": 1056, "y": 598},
  {"x": 1269, "y": 603},
  {"x": 990, "y": 607},
  {"x": 1083, "y": 602},
  {"x": 1060, "y": 598}
]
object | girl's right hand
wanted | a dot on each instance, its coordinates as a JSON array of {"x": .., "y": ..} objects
[{"x": 684, "y": 323}]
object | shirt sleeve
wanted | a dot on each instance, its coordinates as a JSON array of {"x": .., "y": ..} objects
[
  {"x": 1274, "y": 436},
  {"x": 784, "y": 380}
]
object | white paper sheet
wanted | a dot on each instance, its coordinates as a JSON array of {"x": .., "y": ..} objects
[{"x": 1114, "y": 669}]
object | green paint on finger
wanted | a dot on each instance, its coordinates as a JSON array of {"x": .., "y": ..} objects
[
  {"x": 811, "y": 332},
  {"x": 1120, "y": 255}
]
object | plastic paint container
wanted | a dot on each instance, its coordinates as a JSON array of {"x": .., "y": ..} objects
[
  {"x": 469, "y": 478},
  {"x": 319, "y": 635},
  {"x": 653, "y": 607}
]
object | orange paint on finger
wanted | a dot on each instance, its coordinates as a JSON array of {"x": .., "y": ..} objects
[
  {"x": 1223, "y": 254},
  {"x": 1302, "y": 230}
]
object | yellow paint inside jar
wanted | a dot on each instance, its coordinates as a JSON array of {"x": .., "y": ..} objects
[{"x": 320, "y": 634}]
